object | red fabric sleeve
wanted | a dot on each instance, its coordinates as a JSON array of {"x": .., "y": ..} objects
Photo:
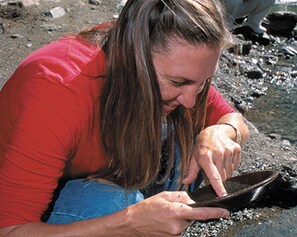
[
  {"x": 44, "y": 134},
  {"x": 217, "y": 107},
  {"x": 44, "y": 107}
]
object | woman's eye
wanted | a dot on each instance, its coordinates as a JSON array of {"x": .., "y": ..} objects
[{"x": 177, "y": 83}]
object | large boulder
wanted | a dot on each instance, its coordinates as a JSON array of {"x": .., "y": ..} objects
[{"x": 281, "y": 24}]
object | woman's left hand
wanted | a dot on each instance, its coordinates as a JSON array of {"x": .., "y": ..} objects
[{"x": 217, "y": 154}]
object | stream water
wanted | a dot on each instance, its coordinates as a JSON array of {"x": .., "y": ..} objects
[{"x": 276, "y": 112}]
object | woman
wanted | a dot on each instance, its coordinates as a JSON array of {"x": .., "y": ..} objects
[{"x": 137, "y": 116}]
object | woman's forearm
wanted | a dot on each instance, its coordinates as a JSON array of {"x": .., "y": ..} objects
[{"x": 116, "y": 224}]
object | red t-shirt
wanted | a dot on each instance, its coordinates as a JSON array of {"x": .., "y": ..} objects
[{"x": 49, "y": 125}]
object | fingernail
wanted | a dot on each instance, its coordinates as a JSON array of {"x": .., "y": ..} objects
[{"x": 225, "y": 213}]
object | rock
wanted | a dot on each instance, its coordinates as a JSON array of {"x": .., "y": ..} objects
[
  {"x": 23, "y": 3},
  {"x": 94, "y": 2},
  {"x": 121, "y": 4},
  {"x": 288, "y": 50},
  {"x": 249, "y": 99},
  {"x": 257, "y": 93},
  {"x": 2, "y": 29},
  {"x": 240, "y": 105},
  {"x": 281, "y": 23},
  {"x": 49, "y": 27},
  {"x": 286, "y": 143},
  {"x": 248, "y": 34},
  {"x": 246, "y": 48},
  {"x": 17, "y": 36},
  {"x": 12, "y": 12},
  {"x": 274, "y": 136},
  {"x": 56, "y": 12},
  {"x": 27, "y": 3},
  {"x": 255, "y": 73},
  {"x": 242, "y": 48},
  {"x": 294, "y": 73}
]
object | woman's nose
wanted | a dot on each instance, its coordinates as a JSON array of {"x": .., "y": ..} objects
[{"x": 188, "y": 97}]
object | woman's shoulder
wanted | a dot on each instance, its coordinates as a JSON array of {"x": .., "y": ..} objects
[
  {"x": 61, "y": 75},
  {"x": 69, "y": 64},
  {"x": 64, "y": 59}
]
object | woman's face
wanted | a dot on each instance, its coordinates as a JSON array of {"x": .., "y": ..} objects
[{"x": 182, "y": 72}]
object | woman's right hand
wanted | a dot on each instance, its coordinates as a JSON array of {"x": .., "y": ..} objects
[{"x": 168, "y": 214}]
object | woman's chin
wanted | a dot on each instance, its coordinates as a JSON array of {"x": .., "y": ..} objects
[{"x": 168, "y": 109}]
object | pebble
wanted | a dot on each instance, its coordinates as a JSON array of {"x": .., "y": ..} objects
[
  {"x": 56, "y": 12},
  {"x": 294, "y": 73},
  {"x": 257, "y": 92},
  {"x": 94, "y": 2},
  {"x": 2, "y": 29},
  {"x": 286, "y": 143},
  {"x": 49, "y": 27},
  {"x": 121, "y": 4},
  {"x": 256, "y": 73},
  {"x": 17, "y": 36},
  {"x": 288, "y": 50}
]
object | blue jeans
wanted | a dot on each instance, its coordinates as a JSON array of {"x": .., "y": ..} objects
[{"x": 81, "y": 200}]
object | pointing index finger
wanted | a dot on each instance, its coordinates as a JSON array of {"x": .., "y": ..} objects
[{"x": 215, "y": 180}]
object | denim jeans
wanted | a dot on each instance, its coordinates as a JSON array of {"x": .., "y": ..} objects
[{"x": 81, "y": 200}]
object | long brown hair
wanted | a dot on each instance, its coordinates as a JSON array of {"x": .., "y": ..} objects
[{"x": 131, "y": 108}]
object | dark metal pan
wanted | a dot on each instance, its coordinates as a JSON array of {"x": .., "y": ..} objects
[{"x": 242, "y": 190}]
